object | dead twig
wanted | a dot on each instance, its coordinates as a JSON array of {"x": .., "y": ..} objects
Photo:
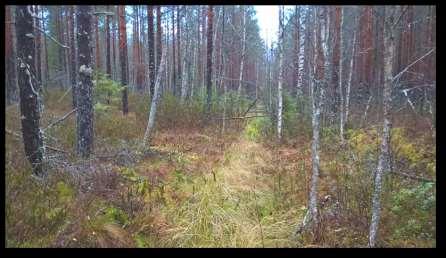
[
  {"x": 56, "y": 149},
  {"x": 60, "y": 119},
  {"x": 413, "y": 177}
]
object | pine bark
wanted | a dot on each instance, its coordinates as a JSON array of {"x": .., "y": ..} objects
[
  {"x": 85, "y": 86},
  {"x": 38, "y": 49},
  {"x": 123, "y": 57},
  {"x": 10, "y": 57},
  {"x": 30, "y": 94},
  {"x": 107, "y": 45},
  {"x": 73, "y": 57},
  {"x": 96, "y": 38}
]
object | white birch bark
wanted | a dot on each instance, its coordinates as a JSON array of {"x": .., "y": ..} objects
[
  {"x": 155, "y": 100},
  {"x": 350, "y": 79},
  {"x": 389, "y": 50},
  {"x": 300, "y": 69},
  {"x": 280, "y": 82},
  {"x": 242, "y": 62},
  {"x": 340, "y": 76}
]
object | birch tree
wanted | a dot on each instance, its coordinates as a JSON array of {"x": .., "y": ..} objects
[
  {"x": 319, "y": 80},
  {"x": 158, "y": 37},
  {"x": 154, "y": 104},
  {"x": 340, "y": 75},
  {"x": 210, "y": 16},
  {"x": 85, "y": 86},
  {"x": 389, "y": 51},
  {"x": 151, "y": 45},
  {"x": 242, "y": 60},
  {"x": 280, "y": 82},
  {"x": 30, "y": 94}
]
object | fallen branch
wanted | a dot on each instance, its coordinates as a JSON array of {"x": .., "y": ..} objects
[
  {"x": 105, "y": 13},
  {"x": 63, "y": 96},
  {"x": 60, "y": 119},
  {"x": 56, "y": 149},
  {"x": 249, "y": 108},
  {"x": 238, "y": 117},
  {"x": 417, "y": 178}
]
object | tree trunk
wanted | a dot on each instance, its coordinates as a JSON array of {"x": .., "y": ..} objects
[
  {"x": 107, "y": 44},
  {"x": 296, "y": 55},
  {"x": 47, "y": 70},
  {"x": 114, "y": 57},
  {"x": 280, "y": 82},
  {"x": 158, "y": 37},
  {"x": 350, "y": 76},
  {"x": 10, "y": 57},
  {"x": 174, "y": 67},
  {"x": 151, "y": 43},
  {"x": 340, "y": 75},
  {"x": 85, "y": 87},
  {"x": 123, "y": 57},
  {"x": 242, "y": 62},
  {"x": 38, "y": 49},
  {"x": 179, "y": 63},
  {"x": 96, "y": 38},
  {"x": 383, "y": 164},
  {"x": 316, "y": 107},
  {"x": 73, "y": 57},
  {"x": 223, "y": 72},
  {"x": 30, "y": 99},
  {"x": 210, "y": 16},
  {"x": 154, "y": 103}
]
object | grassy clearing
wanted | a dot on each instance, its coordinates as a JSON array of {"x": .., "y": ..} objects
[{"x": 198, "y": 188}]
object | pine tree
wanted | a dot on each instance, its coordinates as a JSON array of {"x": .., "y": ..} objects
[
  {"x": 85, "y": 86},
  {"x": 123, "y": 57}
]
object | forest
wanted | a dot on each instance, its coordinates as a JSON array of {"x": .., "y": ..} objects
[{"x": 220, "y": 126}]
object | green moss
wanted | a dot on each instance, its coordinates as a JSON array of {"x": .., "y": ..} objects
[
  {"x": 257, "y": 128},
  {"x": 65, "y": 192}
]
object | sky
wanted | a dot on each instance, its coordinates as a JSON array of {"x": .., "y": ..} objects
[{"x": 268, "y": 19}]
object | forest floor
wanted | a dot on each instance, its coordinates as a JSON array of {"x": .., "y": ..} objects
[{"x": 195, "y": 187}]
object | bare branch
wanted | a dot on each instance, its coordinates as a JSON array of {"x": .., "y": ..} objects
[
  {"x": 413, "y": 63},
  {"x": 104, "y": 13},
  {"x": 60, "y": 119},
  {"x": 238, "y": 117},
  {"x": 56, "y": 149},
  {"x": 417, "y": 178},
  {"x": 51, "y": 37}
]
